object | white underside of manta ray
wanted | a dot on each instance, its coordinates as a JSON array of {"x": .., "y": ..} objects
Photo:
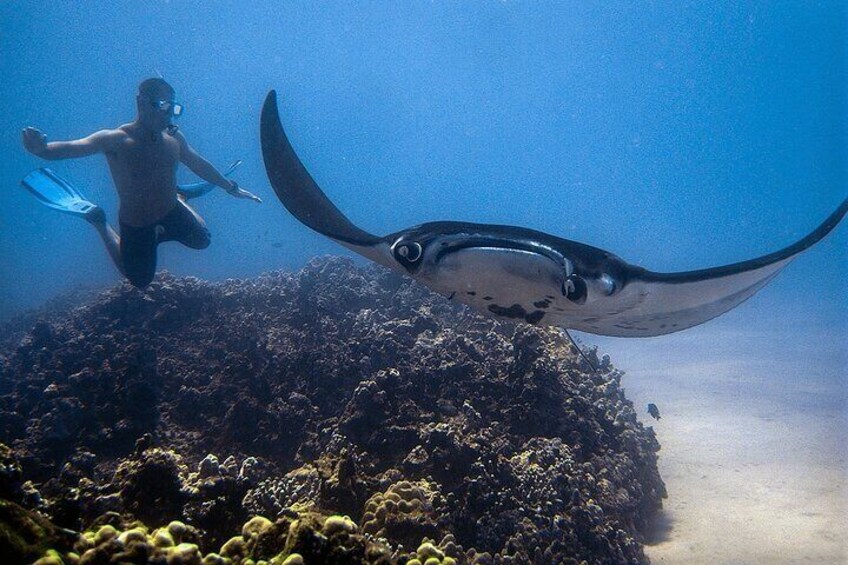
[{"x": 522, "y": 274}]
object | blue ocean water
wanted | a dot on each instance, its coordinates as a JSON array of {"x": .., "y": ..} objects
[{"x": 678, "y": 135}]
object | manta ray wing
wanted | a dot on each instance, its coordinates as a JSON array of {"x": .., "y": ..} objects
[
  {"x": 302, "y": 196},
  {"x": 652, "y": 304}
]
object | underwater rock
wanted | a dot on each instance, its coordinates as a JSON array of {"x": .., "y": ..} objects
[
  {"x": 332, "y": 390},
  {"x": 26, "y": 536},
  {"x": 11, "y": 481},
  {"x": 151, "y": 487}
]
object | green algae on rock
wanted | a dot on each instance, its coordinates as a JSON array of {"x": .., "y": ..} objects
[{"x": 26, "y": 536}]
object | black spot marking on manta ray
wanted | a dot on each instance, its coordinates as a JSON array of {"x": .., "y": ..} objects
[
  {"x": 452, "y": 294},
  {"x": 487, "y": 298},
  {"x": 516, "y": 311},
  {"x": 542, "y": 304},
  {"x": 534, "y": 317},
  {"x": 471, "y": 293}
]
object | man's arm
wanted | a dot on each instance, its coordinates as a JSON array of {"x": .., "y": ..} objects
[
  {"x": 98, "y": 142},
  {"x": 205, "y": 170}
]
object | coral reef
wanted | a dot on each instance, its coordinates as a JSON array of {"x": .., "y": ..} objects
[{"x": 335, "y": 390}]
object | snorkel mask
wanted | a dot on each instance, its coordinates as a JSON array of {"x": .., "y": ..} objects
[{"x": 172, "y": 108}]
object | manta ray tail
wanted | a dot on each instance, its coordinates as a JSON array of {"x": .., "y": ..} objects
[{"x": 580, "y": 350}]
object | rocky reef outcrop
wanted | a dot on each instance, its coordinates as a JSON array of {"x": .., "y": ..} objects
[{"x": 336, "y": 391}]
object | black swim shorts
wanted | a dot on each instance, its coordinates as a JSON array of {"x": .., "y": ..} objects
[{"x": 138, "y": 244}]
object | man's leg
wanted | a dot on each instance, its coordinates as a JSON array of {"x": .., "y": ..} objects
[
  {"x": 134, "y": 252},
  {"x": 185, "y": 225},
  {"x": 137, "y": 251},
  {"x": 97, "y": 218}
]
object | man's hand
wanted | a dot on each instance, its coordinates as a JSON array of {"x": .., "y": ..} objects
[
  {"x": 238, "y": 192},
  {"x": 34, "y": 141}
]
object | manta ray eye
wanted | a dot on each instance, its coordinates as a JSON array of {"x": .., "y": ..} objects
[
  {"x": 608, "y": 284},
  {"x": 574, "y": 288},
  {"x": 409, "y": 252}
]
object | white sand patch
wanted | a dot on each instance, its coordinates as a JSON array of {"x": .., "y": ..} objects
[{"x": 753, "y": 434}]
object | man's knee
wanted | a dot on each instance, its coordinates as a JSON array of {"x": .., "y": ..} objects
[
  {"x": 139, "y": 273},
  {"x": 140, "y": 280}
]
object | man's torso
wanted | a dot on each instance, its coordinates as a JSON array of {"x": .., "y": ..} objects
[{"x": 144, "y": 169}]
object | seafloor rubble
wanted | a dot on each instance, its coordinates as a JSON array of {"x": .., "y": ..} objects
[{"x": 336, "y": 415}]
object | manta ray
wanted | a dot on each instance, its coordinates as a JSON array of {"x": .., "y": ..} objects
[{"x": 521, "y": 274}]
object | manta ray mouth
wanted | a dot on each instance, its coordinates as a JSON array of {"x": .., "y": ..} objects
[{"x": 452, "y": 245}]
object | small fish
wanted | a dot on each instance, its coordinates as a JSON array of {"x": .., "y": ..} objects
[{"x": 654, "y": 411}]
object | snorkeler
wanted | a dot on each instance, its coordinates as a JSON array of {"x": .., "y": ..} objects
[{"x": 143, "y": 157}]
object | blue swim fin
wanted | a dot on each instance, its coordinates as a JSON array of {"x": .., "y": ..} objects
[
  {"x": 195, "y": 189},
  {"x": 52, "y": 190}
]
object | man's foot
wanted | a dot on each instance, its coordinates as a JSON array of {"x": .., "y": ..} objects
[{"x": 95, "y": 216}]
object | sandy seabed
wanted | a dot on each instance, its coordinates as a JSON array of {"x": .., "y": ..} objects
[{"x": 754, "y": 451}]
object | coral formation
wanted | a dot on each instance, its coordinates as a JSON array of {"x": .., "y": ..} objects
[
  {"x": 339, "y": 391},
  {"x": 405, "y": 513},
  {"x": 306, "y": 538}
]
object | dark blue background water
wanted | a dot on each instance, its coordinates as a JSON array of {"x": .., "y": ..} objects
[{"x": 676, "y": 135}]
